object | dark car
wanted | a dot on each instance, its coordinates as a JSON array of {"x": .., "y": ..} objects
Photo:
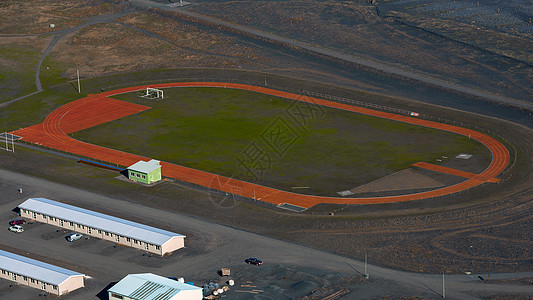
[
  {"x": 254, "y": 261},
  {"x": 17, "y": 222}
]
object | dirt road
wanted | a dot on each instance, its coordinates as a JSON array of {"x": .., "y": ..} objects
[
  {"x": 210, "y": 245},
  {"x": 348, "y": 58}
]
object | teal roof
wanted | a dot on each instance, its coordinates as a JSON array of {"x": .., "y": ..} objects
[{"x": 148, "y": 286}]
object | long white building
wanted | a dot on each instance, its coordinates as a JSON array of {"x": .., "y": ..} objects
[
  {"x": 148, "y": 286},
  {"x": 102, "y": 226},
  {"x": 39, "y": 275}
]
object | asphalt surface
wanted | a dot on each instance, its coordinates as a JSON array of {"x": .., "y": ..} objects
[{"x": 209, "y": 246}]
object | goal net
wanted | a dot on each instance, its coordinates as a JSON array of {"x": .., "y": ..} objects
[
  {"x": 7, "y": 141},
  {"x": 151, "y": 93}
]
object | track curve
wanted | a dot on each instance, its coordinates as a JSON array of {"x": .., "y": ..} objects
[{"x": 66, "y": 119}]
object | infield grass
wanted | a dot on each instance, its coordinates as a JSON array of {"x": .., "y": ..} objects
[{"x": 258, "y": 138}]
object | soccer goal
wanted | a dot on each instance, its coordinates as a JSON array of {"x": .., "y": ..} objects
[
  {"x": 151, "y": 93},
  {"x": 7, "y": 141}
]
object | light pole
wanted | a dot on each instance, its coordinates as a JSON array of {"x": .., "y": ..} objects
[{"x": 366, "y": 260}]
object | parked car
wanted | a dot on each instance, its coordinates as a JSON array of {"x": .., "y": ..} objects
[
  {"x": 17, "y": 222},
  {"x": 74, "y": 237},
  {"x": 254, "y": 261},
  {"x": 16, "y": 228}
]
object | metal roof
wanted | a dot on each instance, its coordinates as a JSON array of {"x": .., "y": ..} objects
[
  {"x": 35, "y": 269},
  {"x": 100, "y": 221},
  {"x": 148, "y": 286},
  {"x": 145, "y": 166}
]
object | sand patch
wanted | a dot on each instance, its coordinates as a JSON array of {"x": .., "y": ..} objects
[{"x": 403, "y": 180}]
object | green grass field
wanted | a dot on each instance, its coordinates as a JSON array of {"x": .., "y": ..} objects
[{"x": 231, "y": 132}]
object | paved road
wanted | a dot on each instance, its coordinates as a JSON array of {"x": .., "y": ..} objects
[{"x": 209, "y": 243}]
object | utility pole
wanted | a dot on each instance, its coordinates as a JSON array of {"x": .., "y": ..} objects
[
  {"x": 443, "y": 288},
  {"x": 78, "y": 73},
  {"x": 366, "y": 260}
]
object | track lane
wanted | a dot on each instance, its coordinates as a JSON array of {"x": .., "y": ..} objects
[{"x": 57, "y": 124}]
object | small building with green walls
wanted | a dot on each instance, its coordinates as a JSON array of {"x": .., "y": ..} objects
[{"x": 145, "y": 171}]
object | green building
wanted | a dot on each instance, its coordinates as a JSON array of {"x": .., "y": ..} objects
[{"x": 145, "y": 171}]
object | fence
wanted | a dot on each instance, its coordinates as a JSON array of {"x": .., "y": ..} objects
[{"x": 289, "y": 88}]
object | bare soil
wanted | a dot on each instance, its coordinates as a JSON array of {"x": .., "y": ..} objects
[{"x": 486, "y": 229}]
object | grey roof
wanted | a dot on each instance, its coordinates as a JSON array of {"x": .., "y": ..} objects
[
  {"x": 100, "y": 221},
  {"x": 145, "y": 166},
  {"x": 148, "y": 286},
  {"x": 35, "y": 269}
]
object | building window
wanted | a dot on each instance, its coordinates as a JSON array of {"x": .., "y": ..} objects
[
  {"x": 25, "y": 278},
  {"x": 146, "y": 246},
  {"x": 117, "y": 238},
  {"x": 32, "y": 280},
  {"x": 132, "y": 174},
  {"x": 34, "y": 215},
  {"x": 14, "y": 276},
  {"x": 157, "y": 247},
  {"x": 43, "y": 286},
  {"x": 78, "y": 225},
  {"x": 138, "y": 175},
  {"x": 128, "y": 239},
  {"x": 54, "y": 287},
  {"x": 144, "y": 177},
  {"x": 3, "y": 272},
  {"x": 60, "y": 222},
  {"x": 89, "y": 230},
  {"x": 116, "y": 296},
  {"x": 135, "y": 242},
  {"x": 71, "y": 223}
]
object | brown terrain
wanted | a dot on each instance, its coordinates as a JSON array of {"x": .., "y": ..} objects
[{"x": 485, "y": 229}]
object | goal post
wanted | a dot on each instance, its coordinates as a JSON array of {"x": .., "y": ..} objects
[
  {"x": 7, "y": 142},
  {"x": 152, "y": 93}
]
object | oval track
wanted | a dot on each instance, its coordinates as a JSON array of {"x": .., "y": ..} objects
[{"x": 57, "y": 125}]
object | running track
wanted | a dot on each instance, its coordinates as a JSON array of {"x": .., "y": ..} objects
[{"x": 96, "y": 109}]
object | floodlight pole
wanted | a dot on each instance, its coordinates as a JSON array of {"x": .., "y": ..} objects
[{"x": 79, "y": 88}]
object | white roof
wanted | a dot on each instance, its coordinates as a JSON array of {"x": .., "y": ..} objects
[
  {"x": 35, "y": 269},
  {"x": 145, "y": 166},
  {"x": 148, "y": 286},
  {"x": 100, "y": 221}
]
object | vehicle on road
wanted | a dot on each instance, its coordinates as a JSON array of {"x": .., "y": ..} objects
[
  {"x": 16, "y": 228},
  {"x": 254, "y": 261},
  {"x": 74, "y": 237},
  {"x": 17, "y": 222}
]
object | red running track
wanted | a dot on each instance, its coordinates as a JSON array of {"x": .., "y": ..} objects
[{"x": 100, "y": 109}]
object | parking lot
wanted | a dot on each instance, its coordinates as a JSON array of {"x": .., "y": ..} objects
[
  {"x": 289, "y": 270},
  {"x": 208, "y": 247}
]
